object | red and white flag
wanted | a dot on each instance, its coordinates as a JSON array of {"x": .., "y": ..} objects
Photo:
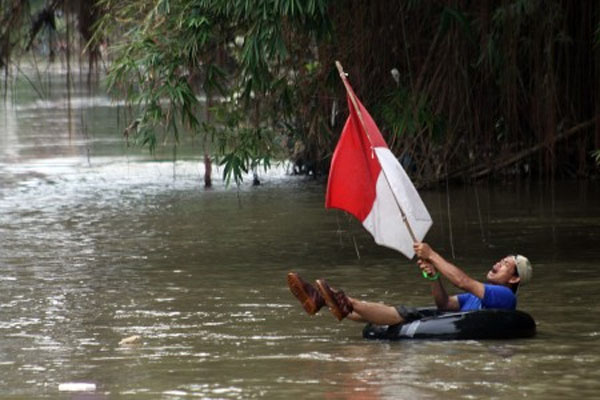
[{"x": 366, "y": 180}]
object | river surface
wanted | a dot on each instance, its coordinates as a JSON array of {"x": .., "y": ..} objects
[{"x": 100, "y": 242}]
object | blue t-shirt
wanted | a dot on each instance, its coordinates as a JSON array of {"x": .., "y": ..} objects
[{"x": 494, "y": 296}]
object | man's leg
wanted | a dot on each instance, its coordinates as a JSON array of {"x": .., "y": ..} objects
[
  {"x": 375, "y": 313},
  {"x": 342, "y": 306}
]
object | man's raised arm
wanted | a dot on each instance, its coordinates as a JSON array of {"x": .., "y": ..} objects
[{"x": 454, "y": 274}]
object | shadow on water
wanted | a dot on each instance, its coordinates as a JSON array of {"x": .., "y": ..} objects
[{"x": 97, "y": 249}]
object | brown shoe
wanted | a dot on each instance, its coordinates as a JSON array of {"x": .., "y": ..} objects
[
  {"x": 309, "y": 297},
  {"x": 338, "y": 302}
]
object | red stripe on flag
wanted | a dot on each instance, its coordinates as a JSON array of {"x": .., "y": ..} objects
[{"x": 354, "y": 166}]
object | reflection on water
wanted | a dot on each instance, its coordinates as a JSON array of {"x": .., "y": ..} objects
[{"x": 99, "y": 243}]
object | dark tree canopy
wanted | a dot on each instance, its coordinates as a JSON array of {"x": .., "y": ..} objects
[{"x": 460, "y": 89}]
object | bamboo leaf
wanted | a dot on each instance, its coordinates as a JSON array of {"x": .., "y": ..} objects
[{"x": 596, "y": 155}]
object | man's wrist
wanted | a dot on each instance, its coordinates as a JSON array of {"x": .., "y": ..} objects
[{"x": 434, "y": 258}]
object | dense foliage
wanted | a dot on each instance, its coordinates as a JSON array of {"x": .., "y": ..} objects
[
  {"x": 460, "y": 89},
  {"x": 246, "y": 58}
]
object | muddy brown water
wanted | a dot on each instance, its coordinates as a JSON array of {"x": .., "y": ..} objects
[{"x": 99, "y": 242}]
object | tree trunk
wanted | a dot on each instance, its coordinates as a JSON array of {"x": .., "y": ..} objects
[
  {"x": 205, "y": 145},
  {"x": 207, "y": 170}
]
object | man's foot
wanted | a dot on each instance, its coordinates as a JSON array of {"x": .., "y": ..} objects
[
  {"x": 309, "y": 297},
  {"x": 338, "y": 302}
]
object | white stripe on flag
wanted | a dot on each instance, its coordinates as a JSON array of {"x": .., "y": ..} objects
[{"x": 384, "y": 221}]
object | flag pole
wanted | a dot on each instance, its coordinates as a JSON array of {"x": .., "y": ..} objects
[{"x": 350, "y": 93}]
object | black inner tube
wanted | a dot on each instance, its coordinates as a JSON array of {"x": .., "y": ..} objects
[{"x": 466, "y": 325}]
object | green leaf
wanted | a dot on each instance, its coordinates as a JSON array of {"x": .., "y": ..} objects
[{"x": 596, "y": 155}]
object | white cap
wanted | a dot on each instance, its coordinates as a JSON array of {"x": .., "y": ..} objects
[{"x": 524, "y": 269}]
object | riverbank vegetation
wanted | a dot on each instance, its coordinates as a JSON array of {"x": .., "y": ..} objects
[{"x": 461, "y": 90}]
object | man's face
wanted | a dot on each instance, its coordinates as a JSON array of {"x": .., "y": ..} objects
[{"x": 504, "y": 271}]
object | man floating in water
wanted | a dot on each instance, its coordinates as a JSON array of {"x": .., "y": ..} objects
[
  {"x": 499, "y": 292},
  {"x": 367, "y": 181}
]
